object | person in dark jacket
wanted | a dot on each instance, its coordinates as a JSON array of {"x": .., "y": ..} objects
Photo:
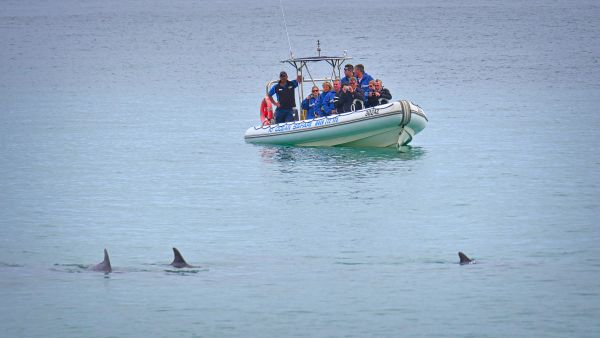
[
  {"x": 286, "y": 98},
  {"x": 378, "y": 95},
  {"x": 350, "y": 98}
]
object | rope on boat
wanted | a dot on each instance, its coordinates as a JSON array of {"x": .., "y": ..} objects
[
  {"x": 404, "y": 137},
  {"x": 406, "y": 113}
]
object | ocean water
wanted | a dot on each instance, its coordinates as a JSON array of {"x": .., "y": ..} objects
[{"x": 121, "y": 127}]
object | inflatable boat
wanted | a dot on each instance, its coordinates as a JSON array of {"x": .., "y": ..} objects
[{"x": 387, "y": 125}]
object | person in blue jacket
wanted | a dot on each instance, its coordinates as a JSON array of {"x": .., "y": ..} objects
[
  {"x": 348, "y": 72},
  {"x": 326, "y": 104},
  {"x": 363, "y": 79},
  {"x": 286, "y": 98},
  {"x": 311, "y": 103}
]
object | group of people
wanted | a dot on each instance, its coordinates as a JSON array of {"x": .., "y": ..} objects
[{"x": 356, "y": 90}]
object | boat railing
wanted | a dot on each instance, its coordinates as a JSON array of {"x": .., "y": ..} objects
[
  {"x": 357, "y": 103},
  {"x": 313, "y": 81}
]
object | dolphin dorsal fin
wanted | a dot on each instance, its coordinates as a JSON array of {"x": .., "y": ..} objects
[
  {"x": 106, "y": 262},
  {"x": 463, "y": 258},
  {"x": 103, "y": 266},
  {"x": 178, "y": 259},
  {"x": 106, "y": 258}
]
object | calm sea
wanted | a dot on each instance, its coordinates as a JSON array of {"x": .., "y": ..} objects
[{"x": 121, "y": 127}]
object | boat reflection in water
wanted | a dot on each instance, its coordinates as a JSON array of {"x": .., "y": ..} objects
[{"x": 340, "y": 160}]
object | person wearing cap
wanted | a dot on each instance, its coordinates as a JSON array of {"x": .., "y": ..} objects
[
  {"x": 363, "y": 78},
  {"x": 286, "y": 98},
  {"x": 349, "y": 72}
]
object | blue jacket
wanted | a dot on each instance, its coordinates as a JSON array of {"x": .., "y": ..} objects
[
  {"x": 326, "y": 104},
  {"x": 364, "y": 83},
  {"x": 311, "y": 105}
]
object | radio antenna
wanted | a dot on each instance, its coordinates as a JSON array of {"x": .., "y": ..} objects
[{"x": 286, "y": 30}]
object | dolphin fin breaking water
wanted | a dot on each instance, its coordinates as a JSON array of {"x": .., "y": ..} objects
[
  {"x": 178, "y": 260},
  {"x": 464, "y": 259},
  {"x": 103, "y": 266}
]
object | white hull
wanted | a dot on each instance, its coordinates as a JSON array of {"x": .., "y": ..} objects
[{"x": 382, "y": 126}]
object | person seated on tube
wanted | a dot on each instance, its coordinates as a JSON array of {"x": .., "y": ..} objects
[
  {"x": 311, "y": 103},
  {"x": 326, "y": 100},
  {"x": 348, "y": 95},
  {"x": 379, "y": 94},
  {"x": 371, "y": 100}
]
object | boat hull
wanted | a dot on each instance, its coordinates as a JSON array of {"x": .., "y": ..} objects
[{"x": 387, "y": 125}]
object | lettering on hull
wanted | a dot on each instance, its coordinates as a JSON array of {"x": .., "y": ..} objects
[{"x": 303, "y": 124}]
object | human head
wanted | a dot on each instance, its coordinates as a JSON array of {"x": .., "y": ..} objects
[
  {"x": 353, "y": 82},
  {"x": 337, "y": 85},
  {"x": 372, "y": 85},
  {"x": 378, "y": 84},
  {"x": 326, "y": 86},
  {"x": 314, "y": 90},
  {"x": 359, "y": 70},
  {"x": 283, "y": 76},
  {"x": 349, "y": 70}
]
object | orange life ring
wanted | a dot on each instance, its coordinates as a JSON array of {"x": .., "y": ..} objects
[{"x": 266, "y": 111}]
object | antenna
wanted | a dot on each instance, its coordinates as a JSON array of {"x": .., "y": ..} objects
[{"x": 286, "y": 30}]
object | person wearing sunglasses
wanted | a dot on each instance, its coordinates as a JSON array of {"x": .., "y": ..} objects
[
  {"x": 348, "y": 72},
  {"x": 286, "y": 98},
  {"x": 351, "y": 97},
  {"x": 378, "y": 94},
  {"x": 311, "y": 103}
]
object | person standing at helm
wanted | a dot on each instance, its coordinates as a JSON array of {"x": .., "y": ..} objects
[
  {"x": 363, "y": 78},
  {"x": 286, "y": 98}
]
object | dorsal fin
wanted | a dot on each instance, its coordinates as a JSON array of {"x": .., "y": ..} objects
[
  {"x": 463, "y": 258},
  {"x": 178, "y": 260},
  {"x": 103, "y": 266}
]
